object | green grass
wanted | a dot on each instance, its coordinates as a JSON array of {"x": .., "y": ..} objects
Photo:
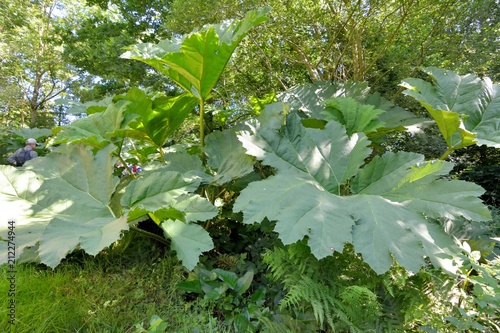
[{"x": 109, "y": 293}]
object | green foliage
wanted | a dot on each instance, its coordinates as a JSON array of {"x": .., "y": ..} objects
[
  {"x": 33, "y": 73},
  {"x": 45, "y": 200},
  {"x": 317, "y": 100},
  {"x": 478, "y": 307},
  {"x": 116, "y": 291},
  {"x": 465, "y": 108},
  {"x": 229, "y": 295},
  {"x": 311, "y": 289},
  {"x": 195, "y": 62},
  {"x": 307, "y": 168},
  {"x": 141, "y": 117},
  {"x": 188, "y": 60},
  {"x": 159, "y": 116},
  {"x": 226, "y": 156},
  {"x": 397, "y": 301},
  {"x": 325, "y": 166},
  {"x": 356, "y": 118}
]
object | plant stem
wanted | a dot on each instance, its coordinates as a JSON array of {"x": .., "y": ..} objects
[
  {"x": 446, "y": 153},
  {"x": 126, "y": 166},
  {"x": 202, "y": 123},
  {"x": 149, "y": 234}
]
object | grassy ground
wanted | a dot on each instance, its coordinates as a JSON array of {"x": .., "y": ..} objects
[{"x": 109, "y": 293}]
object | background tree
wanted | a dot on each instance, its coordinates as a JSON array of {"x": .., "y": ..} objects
[
  {"x": 378, "y": 41},
  {"x": 95, "y": 34},
  {"x": 32, "y": 73}
]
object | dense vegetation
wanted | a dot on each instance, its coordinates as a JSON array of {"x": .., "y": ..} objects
[{"x": 293, "y": 201}]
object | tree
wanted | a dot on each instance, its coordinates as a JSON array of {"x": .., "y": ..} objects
[
  {"x": 378, "y": 41},
  {"x": 94, "y": 35},
  {"x": 33, "y": 73}
]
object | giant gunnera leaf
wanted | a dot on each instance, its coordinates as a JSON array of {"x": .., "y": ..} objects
[
  {"x": 196, "y": 61},
  {"x": 61, "y": 202},
  {"x": 351, "y": 104},
  {"x": 158, "y": 117},
  {"x": 226, "y": 156},
  {"x": 167, "y": 196},
  {"x": 465, "y": 107},
  {"x": 188, "y": 240},
  {"x": 323, "y": 191},
  {"x": 97, "y": 129}
]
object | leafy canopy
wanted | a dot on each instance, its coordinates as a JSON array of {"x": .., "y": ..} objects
[{"x": 318, "y": 139}]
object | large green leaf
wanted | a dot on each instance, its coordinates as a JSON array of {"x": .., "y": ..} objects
[
  {"x": 309, "y": 97},
  {"x": 227, "y": 156},
  {"x": 406, "y": 178},
  {"x": 188, "y": 240},
  {"x": 383, "y": 231},
  {"x": 96, "y": 130},
  {"x": 181, "y": 161},
  {"x": 300, "y": 209},
  {"x": 466, "y": 108},
  {"x": 394, "y": 117},
  {"x": 35, "y": 133},
  {"x": 196, "y": 61},
  {"x": 159, "y": 117},
  {"x": 17, "y": 199},
  {"x": 155, "y": 191},
  {"x": 70, "y": 208},
  {"x": 385, "y": 219},
  {"x": 329, "y": 156},
  {"x": 389, "y": 172},
  {"x": 169, "y": 199},
  {"x": 356, "y": 117}
]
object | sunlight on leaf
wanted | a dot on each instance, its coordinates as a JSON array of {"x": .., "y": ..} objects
[
  {"x": 70, "y": 207},
  {"x": 188, "y": 240}
]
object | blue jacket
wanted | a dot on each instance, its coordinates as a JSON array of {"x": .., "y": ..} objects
[{"x": 30, "y": 154}]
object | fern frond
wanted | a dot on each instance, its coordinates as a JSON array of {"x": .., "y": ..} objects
[
  {"x": 294, "y": 259},
  {"x": 308, "y": 294},
  {"x": 360, "y": 302},
  {"x": 226, "y": 261}
]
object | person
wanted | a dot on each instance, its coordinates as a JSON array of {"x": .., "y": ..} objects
[{"x": 24, "y": 154}]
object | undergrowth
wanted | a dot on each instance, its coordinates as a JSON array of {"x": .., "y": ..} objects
[{"x": 116, "y": 291}]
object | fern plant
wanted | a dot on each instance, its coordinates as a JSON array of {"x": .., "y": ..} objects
[
  {"x": 343, "y": 294},
  {"x": 339, "y": 306}
]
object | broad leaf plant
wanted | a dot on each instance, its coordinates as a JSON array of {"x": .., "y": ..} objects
[{"x": 328, "y": 185}]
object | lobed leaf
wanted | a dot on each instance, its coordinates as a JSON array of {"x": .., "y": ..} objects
[
  {"x": 406, "y": 178},
  {"x": 190, "y": 166},
  {"x": 196, "y": 61},
  {"x": 309, "y": 97},
  {"x": 188, "y": 240},
  {"x": 159, "y": 117},
  {"x": 159, "y": 190},
  {"x": 300, "y": 209},
  {"x": 227, "y": 156},
  {"x": 466, "y": 108},
  {"x": 70, "y": 208},
  {"x": 329, "y": 156},
  {"x": 387, "y": 217},
  {"x": 382, "y": 232},
  {"x": 96, "y": 129},
  {"x": 356, "y": 118}
]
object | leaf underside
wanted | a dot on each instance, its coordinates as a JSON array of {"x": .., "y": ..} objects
[
  {"x": 323, "y": 191},
  {"x": 466, "y": 108},
  {"x": 66, "y": 210}
]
